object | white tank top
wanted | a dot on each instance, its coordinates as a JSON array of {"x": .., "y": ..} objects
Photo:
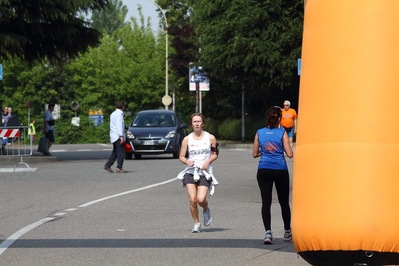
[{"x": 199, "y": 150}]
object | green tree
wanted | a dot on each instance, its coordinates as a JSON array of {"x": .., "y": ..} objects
[
  {"x": 128, "y": 66},
  {"x": 111, "y": 18},
  {"x": 46, "y": 29},
  {"x": 255, "y": 42},
  {"x": 183, "y": 50}
]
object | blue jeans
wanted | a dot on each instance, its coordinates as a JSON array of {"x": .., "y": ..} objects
[{"x": 290, "y": 131}]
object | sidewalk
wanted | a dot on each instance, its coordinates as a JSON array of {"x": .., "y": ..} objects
[
  {"x": 226, "y": 144},
  {"x": 11, "y": 157}
]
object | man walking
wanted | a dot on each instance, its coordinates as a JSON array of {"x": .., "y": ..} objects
[
  {"x": 289, "y": 120},
  {"x": 117, "y": 138}
]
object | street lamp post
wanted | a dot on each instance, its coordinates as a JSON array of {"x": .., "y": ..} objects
[{"x": 166, "y": 98}]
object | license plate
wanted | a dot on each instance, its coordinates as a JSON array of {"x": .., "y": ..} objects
[{"x": 148, "y": 142}]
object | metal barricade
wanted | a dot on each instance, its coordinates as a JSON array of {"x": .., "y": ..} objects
[{"x": 16, "y": 143}]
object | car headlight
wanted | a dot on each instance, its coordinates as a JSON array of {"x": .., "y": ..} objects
[
  {"x": 171, "y": 134},
  {"x": 130, "y": 135}
]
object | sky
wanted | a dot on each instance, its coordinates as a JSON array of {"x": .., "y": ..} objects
[{"x": 148, "y": 9}]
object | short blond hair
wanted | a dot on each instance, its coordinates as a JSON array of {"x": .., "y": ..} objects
[{"x": 197, "y": 114}]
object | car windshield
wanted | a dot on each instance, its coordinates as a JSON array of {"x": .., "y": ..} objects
[{"x": 153, "y": 120}]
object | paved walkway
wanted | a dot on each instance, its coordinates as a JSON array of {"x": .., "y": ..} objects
[{"x": 14, "y": 155}]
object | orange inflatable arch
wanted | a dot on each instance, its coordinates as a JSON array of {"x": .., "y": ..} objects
[{"x": 345, "y": 207}]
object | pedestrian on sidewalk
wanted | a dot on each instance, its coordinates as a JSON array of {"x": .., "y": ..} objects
[
  {"x": 117, "y": 138},
  {"x": 270, "y": 143},
  {"x": 32, "y": 131},
  {"x": 289, "y": 119},
  {"x": 5, "y": 116},
  {"x": 49, "y": 127},
  {"x": 202, "y": 150}
]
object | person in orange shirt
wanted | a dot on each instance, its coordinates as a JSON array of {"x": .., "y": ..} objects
[{"x": 289, "y": 120}]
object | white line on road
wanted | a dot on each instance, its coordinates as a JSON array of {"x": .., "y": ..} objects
[
  {"x": 79, "y": 150},
  {"x": 11, "y": 239},
  {"x": 8, "y": 242},
  {"x": 10, "y": 170},
  {"x": 126, "y": 192}
]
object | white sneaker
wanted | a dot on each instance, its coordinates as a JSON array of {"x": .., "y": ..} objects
[
  {"x": 207, "y": 217},
  {"x": 287, "y": 235},
  {"x": 268, "y": 238},
  {"x": 197, "y": 228}
]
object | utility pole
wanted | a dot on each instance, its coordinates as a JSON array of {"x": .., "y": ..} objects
[{"x": 166, "y": 98}]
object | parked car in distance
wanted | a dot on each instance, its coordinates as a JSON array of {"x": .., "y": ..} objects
[{"x": 154, "y": 132}]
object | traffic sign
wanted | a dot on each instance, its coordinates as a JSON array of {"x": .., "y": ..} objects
[
  {"x": 166, "y": 100},
  {"x": 1, "y": 72},
  {"x": 198, "y": 74},
  {"x": 299, "y": 66}
]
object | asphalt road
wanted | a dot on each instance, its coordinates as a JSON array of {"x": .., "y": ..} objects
[{"x": 72, "y": 212}]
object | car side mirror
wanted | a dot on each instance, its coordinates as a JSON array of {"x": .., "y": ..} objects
[{"x": 184, "y": 126}]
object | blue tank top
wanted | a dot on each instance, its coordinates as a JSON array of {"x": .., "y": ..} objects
[{"x": 271, "y": 149}]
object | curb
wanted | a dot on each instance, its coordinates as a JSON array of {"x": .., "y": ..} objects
[
  {"x": 38, "y": 157},
  {"x": 13, "y": 160},
  {"x": 235, "y": 145}
]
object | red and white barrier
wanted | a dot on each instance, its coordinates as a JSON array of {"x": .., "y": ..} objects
[{"x": 9, "y": 133}]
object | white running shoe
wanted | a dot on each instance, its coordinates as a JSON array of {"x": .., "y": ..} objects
[
  {"x": 287, "y": 235},
  {"x": 207, "y": 217},
  {"x": 197, "y": 228},
  {"x": 268, "y": 238}
]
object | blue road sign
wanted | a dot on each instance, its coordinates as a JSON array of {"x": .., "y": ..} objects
[
  {"x": 299, "y": 66},
  {"x": 1, "y": 72},
  {"x": 198, "y": 73}
]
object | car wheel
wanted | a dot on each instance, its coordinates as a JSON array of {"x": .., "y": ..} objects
[
  {"x": 137, "y": 156},
  {"x": 128, "y": 156},
  {"x": 177, "y": 153}
]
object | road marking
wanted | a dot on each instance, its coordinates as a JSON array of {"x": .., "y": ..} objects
[
  {"x": 11, "y": 239},
  {"x": 126, "y": 192},
  {"x": 10, "y": 170},
  {"x": 79, "y": 150}
]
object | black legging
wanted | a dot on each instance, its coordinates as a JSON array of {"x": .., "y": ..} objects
[{"x": 265, "y": 178}]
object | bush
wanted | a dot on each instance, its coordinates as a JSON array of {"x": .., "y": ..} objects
[
  {"x": 212, "y": 126},
  {"x": 66, "y": 133},
  {"x": 230, "y": 129},
  {"x": 251, "y": 126}
]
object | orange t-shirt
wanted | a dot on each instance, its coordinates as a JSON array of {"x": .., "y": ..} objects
[{"x": 288, "y": 117}]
